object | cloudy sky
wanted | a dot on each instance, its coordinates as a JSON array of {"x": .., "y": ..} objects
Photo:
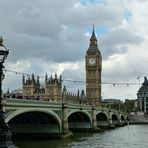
[{"x": 50, "y": 36}]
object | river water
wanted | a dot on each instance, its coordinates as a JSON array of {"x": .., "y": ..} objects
[{"x": 132, "y": 136}]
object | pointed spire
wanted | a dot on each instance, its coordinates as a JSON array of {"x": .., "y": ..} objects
[
  {"x": 51, "y": 77},
  {"x": 55, "y": 76},
  {"x": 78, "y": 93},
  {"x": 64, "y": 89},
  {"x": 93, "y": 36},
  {"x": 33, "y": 79},
  {"x": 46, "y": 78},
  {"x": 23, "y": 79},
  {"x": 38, "y": 80},
  {"x": 145, "y": 81},
  {"x": 82, "y": 92},
  {"x": 8, "y": 91},
  {"x": 60, "y": 79},
  {"x": 93, "y": 41},
  {"x": 29, "y": 80},
  {"x": 1, "y": 40},
  {"x": 32, "y": 76}
]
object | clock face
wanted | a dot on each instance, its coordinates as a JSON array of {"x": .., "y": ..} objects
[{"x": 92, "y": 61}]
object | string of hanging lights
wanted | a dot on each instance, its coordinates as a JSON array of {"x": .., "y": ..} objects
[{"x": 74, "y": 81}]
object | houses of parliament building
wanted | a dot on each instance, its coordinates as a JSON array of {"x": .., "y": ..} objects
[{"x": 52, "y": 88}]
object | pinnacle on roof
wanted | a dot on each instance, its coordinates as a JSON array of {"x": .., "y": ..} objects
[
  {"x": 1, "y": 40},
  {"x": 93, "y": 36},
  {"x": 145, "y": 81},
  {"x": 93, "y": 46}
]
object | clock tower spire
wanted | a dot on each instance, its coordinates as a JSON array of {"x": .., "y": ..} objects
[
  {"x": 93, "y": 65},
  {"x": 93, "y": 36}
]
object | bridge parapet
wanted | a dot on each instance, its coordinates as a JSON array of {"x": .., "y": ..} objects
[{"x": 28, "y": 103}]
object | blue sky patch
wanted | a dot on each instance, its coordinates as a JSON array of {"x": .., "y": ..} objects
[
  {"x": 102, "y": 30},
  {"x": 86, "y": 2},
  {"x": 127, "y": 15}
]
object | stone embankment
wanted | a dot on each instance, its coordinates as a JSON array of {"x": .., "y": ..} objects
[{"x": 138, "y": 118}]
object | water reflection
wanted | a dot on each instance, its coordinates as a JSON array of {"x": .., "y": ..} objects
[{"x": 133, "y": 136}]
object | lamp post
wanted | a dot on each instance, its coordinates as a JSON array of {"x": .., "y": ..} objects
[{"x": 5, "y": 135}]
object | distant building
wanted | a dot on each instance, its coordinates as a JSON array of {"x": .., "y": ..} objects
[
  {"x": 13, "y": 94},
  {"x": 142, "y": 96},
  {"x": 111, "y": 101},
  {"x": 131, "y": 105}
]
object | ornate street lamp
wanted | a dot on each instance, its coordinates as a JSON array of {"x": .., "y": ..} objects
[{"x": 5, "y": 135}]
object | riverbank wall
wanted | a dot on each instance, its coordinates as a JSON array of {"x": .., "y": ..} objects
[{"x": 138, "y": 118}]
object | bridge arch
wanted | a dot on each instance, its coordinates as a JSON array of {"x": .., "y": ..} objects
[
  {"x": 114, "y": 118},
  {"x": 34, "y": 117},
  {"x": 122, "y": 118},
  {"x": 79, "y": 120},
  {"x": 102, "y": 119}
]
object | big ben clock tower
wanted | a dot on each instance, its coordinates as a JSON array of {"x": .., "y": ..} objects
[{"x": 93, "y": 64}]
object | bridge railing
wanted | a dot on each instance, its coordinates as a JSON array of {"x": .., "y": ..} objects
[
  {"x": 84, "y": 102},
  {"x": 64, "y": 99}
]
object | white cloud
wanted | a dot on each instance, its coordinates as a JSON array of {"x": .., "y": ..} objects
[
  {"x": 21, "y": 65},
  {"x": 59, "y": 67}
]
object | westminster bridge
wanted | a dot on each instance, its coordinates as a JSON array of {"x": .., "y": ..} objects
[{"x": 35, "y": 116}]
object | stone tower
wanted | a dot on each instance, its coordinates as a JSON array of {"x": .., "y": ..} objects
[
  {"x": 53, "y": 88},
  {"x": 93, "y": 65},
  {"x": 30, "y": 85}
]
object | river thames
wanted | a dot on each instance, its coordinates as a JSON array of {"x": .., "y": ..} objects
[{"x": 132, "y": 136}]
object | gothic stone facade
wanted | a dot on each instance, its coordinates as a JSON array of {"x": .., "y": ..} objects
[
  {"x": 93, "y": 64},
  {"x": 51, "y": 90}
]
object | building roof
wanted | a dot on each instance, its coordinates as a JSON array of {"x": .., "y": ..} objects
[
  {"x": 93, "y": 47},
  {"x": 144, "y": 87}
]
